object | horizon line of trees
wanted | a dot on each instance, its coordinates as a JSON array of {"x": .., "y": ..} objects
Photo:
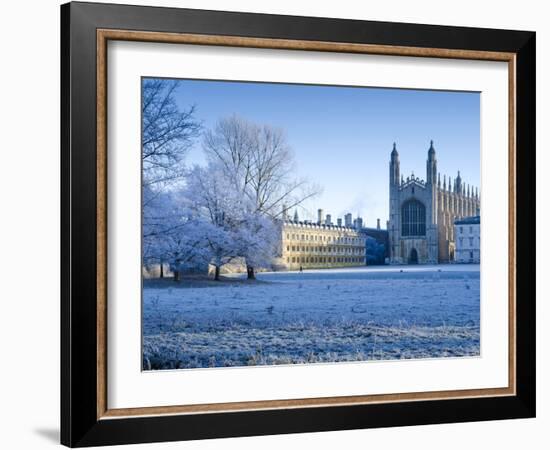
[{"x": 226, "y": 210}]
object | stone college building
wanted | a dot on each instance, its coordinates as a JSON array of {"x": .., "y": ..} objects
[
  {"x": 322, "y": 244},
  {"x": 423, "y": 213}
]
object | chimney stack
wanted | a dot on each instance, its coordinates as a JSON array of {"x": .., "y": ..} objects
[
  {"x": 339, "y": 221},
  {"x": 328, "y": 219},
  {"x": 320, "y": 216},
  {"x": 348, "y": 220},
  {"x": 285, "y": 212}
]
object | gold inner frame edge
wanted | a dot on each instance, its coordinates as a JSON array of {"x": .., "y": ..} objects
[{"x": 103, "y": 36}]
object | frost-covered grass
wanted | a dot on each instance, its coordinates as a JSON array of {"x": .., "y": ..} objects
[{"x": 354, "y": 314}]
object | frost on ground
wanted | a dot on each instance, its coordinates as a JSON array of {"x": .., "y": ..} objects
[{"x": 377, "y": 313}]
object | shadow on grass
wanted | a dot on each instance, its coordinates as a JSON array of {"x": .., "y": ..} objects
[{"x": 199, "y": 281}]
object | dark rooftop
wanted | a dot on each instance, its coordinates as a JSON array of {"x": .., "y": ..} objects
[{"x": 473, "y": 220}]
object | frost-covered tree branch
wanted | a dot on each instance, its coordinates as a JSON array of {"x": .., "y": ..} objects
[
  {"x": 227, "y": 209},
  {"x": 260, "y": 163},
  {"x": 167, "y": 132}
]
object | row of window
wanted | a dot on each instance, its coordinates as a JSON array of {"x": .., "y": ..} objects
[
  {"x": 324, "y": 259},
  {"x": 315, "y": 237},
  {"x": 356, "y": 250},
  {"x": 461, "y": 229},
  {"x": 463, "y": 256},
  {"x": 470, "y": 241}
]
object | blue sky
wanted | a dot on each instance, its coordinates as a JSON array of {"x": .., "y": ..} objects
[{"x": 342, "y": 136}]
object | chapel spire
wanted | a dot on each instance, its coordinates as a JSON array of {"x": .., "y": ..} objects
[
  {"x": 394, "y": 166},
  {"x": 431, "y": 165}
]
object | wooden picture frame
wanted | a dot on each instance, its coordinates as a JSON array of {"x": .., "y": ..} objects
[{"x": 86, "y": 418}]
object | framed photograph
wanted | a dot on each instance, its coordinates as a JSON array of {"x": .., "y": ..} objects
[{"x": 276, "y": 224}]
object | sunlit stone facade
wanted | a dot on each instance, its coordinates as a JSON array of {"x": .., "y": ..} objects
[{"x": 321, "y": 245}]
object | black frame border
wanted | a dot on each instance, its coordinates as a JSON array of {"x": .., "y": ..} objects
[{"x": 79, "y": 423}]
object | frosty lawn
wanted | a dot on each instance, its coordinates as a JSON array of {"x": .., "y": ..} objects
[{"x": 317, "y": 316}]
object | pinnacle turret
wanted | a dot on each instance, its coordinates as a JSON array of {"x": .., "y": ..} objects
[
  {"x": 394, "y": 153},
  {"x": 431, "y": 166},
  {"x": 431, "y": 151},
  {"x": 458, "y": 184},
  {"x": 394, "y": 166}
]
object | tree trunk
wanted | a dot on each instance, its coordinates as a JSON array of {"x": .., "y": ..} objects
[
  {"x": 250, "y": 273},
  {"x": 177, "y": 277},
  {"x": 217, "y": 273},
  {"x": 161, "y": 270}
]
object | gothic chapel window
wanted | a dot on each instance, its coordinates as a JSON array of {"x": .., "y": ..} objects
[{"x": 413, "y": 223}]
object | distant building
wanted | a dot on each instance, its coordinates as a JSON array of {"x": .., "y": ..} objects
[
  {"x": 377, "y": 245},
  {"x": 467, "y": 243},
  {"x": 321, "y": 245},
  {"x": 423, "y": 213}
]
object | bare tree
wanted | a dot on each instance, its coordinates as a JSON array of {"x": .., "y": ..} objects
[
  {"x": 261, "y": 163},
  {"x": 172, "y": 235},
  {"x": 212, "y": 198},
  {"x": 167, "y": 132}
]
